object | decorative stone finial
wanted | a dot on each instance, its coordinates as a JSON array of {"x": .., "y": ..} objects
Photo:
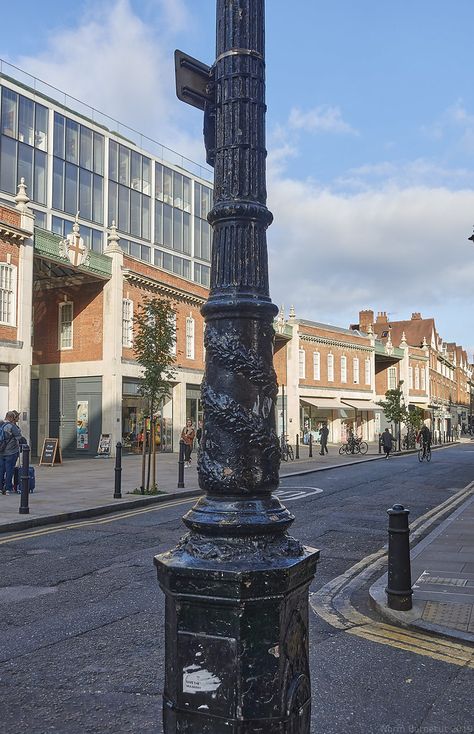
[
  {"x": 389, "y": 345},
  {"x": 281, "y": 318},
  {"x": 424, "y": 343},
  {"x": 113, "y": 239},
  {"x": 370, "y": 330},
  {"x": 292, "y": 314},
  {"x": 75, "y": 226},
  {"x": 22, "y": 198},
  {"x": 403, "y": 342}
]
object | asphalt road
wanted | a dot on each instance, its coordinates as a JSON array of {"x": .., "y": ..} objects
[{"x": 81, "y": 635}]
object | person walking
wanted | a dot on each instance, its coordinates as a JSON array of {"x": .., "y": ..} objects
[
  {"x": 324, "y": 439},
  {"x": 387, "y": 442},
  {"x": 187, "y": 436},
  {"x": 199, "y": 433},
  {"x": 9, "y": 450}
]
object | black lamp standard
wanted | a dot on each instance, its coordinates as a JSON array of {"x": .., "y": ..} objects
[{"x": 236, "y": 585}]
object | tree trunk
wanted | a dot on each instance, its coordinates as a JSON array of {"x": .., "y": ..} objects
[{"x": 143, "y": 456}]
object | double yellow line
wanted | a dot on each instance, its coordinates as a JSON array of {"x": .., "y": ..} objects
[
  {"x": 332, "y": 602},
  {"x": 40, "y": 532}
]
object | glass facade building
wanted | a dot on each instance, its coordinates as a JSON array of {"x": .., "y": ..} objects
[{"x": 72, "y": 164}]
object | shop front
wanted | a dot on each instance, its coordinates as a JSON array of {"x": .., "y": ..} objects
[
  {"x": 318, "y": 411},
  {"x": 193, "y": 404},
  {"x": 136, "y": 419},
  {"x": 361, "y": 419}
]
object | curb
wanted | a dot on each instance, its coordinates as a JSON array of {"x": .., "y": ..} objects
[
  {"x": 35, "y": 522},
  {"x": 412, "y": 618},
  {"x": 145, "y": 501}
]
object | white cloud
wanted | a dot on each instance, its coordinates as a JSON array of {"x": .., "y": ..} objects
[
  {"x": 322, "y": 119},
  {"x": 399, "y": 249},
  {"x": 122, "y": 65}
]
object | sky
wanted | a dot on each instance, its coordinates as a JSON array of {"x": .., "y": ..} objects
[{"x": 370, "y": 134}]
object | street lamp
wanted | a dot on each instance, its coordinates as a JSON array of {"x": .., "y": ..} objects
[{"x": 236, "y": 585}]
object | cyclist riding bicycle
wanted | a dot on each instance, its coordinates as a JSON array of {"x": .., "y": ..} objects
[{"x": 424, "y": 438}]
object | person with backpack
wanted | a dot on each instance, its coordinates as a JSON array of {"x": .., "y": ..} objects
[{"x": 9, "y": 450}]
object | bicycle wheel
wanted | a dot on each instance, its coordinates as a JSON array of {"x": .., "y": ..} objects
[
  {"x": 420, "y": 454},
  {"x": 363, "y": 447},
  {"x": 284, "y": 454},
  {"x": 291, "y": 455},
  {"x": 343, "y": 449},
  {"x": 428, "y": 454}
]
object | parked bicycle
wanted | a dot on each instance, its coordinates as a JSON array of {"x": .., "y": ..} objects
[
  {"x": 354, "y": 446},
  {"x": 286, "y": 449}
]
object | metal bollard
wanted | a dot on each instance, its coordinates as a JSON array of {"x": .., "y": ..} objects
[
  {"x": 444, "y": 436},
  {"x": 25, "y": 480},
  {"x": 398, "y": 590},
  {"x": 310, "y": 446},
  {"x": 118, "y": 472},
  {"x": 380, "y": 443},
  {"x": 297, "y": 447},
  {"x": 181, "y": 465}
]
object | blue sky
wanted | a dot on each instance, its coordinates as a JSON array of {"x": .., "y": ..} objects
[{"x": 370, "y": 134}]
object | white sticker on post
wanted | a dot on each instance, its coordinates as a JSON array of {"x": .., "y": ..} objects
[{"x": 198, "y": 680}]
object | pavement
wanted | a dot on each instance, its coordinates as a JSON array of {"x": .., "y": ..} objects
[{"x": 442, "y": 563}]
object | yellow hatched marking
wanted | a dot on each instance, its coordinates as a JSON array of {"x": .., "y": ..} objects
[
  {"x": 452, "y": 653},
  {"x": 101, "y": 521}
]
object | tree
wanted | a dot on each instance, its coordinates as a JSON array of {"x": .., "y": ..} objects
[
  {"x": 154, "y": 339},
  {"x": 394, "y": 407}
]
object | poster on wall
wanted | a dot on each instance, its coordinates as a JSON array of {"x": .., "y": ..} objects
[{"x": 82, "y": 429}]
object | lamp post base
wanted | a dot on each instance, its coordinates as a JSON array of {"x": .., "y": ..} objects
[{"x": 237, "y": 635}]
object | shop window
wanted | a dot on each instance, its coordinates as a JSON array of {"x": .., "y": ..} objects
[
  {"x": 190, "y": 338},
  {"x": 65, "y": 325},
  {"x": 127, "y": 322},
  {"x": 7, "y": 294}
]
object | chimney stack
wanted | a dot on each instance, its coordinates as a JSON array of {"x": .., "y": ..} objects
[
  {"x": 366, "y": 319},
  {"x": 416, "y": 316}
]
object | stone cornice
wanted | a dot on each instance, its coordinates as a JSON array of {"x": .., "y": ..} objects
[
  {"x": 163, "y": 288},
  {"x": 335, "y": 343}
]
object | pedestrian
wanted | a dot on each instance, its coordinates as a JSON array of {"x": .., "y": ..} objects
[
  {"x": 387, "y": 442},
  {"x": 324, "y": 439},
  {"x": 199, "y": 433},
  {"x": 187, "y": 435},
  {"x": 9, "y": 450}
]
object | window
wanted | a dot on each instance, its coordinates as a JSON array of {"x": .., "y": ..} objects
[
  {"x": 417, "y": 378},
  {"x": 23, "y": 144},
  {"x": 202, "y": 229},
  {"x": 190, "y": 337},
  {"x": 355, "y": 370},
  {"x": 410, "y": 377},
  {"x": 392, "y": 378},
  {"x": 316, "y": 365},
  {"x": 423, "y": 378},
  {"x": 302, "y": 364},
  {"x": 330, "y": 367},
  {"x": 343, "y": 369},
  {"x": 368, "y": 371},
  {"x": 7, "y": 294},
  {"x": 127, "y": 322},
  {"x": 65, "y": 325},
  {"x": 173, "y": 322}
]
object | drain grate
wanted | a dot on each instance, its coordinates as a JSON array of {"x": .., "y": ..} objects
[{"x": 427, "y": 578}]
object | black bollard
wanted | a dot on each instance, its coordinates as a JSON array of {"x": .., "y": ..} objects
[
  {"x": 25, "y": 480},
  {"x": 398, "y": 590},
  {"x": 181, "y": 465},
  {"x": 444, "y": 436},
  {"x": 380, "y": 443},
  {"x": 118, "y": 472},
  {"x": 297, "y": 447},
  {"x": 310, "y": 446}
]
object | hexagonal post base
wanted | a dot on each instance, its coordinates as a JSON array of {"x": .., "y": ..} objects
[{"x": 237, "y": 635}]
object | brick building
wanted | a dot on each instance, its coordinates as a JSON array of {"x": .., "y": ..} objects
[{"x": 67, "y": 337}]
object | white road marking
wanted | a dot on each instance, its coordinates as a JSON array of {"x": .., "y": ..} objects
[{"x": 297, "y": 493}]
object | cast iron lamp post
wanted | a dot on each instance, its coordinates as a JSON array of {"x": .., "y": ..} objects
[{"x": 236, "y": 585}]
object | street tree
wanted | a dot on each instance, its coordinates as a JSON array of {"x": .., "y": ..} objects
[
  {"x": 154, "y": 339},
  {"x": 394, "y": 407}
]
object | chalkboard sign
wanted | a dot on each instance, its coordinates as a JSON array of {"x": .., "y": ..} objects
[
  {"x": 105, "y": 443},
  {"x": 51, "y": 452}
]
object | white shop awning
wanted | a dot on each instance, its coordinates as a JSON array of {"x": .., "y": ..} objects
[
  {"x": 326, "y": 403},
  {"x": 361, "y": 404}
]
